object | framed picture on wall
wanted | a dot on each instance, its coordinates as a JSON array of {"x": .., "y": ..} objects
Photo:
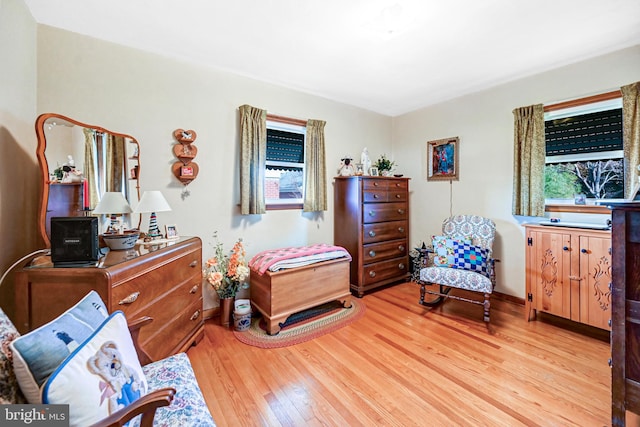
[{"x": 442, "y": 159}]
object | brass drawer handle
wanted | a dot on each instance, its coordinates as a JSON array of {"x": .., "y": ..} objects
[
  {"x": 401, "y": 248},
  {"x": 372, "y": 273},
  {"x": 372, "y": 233},
  {"x": 375, "y": 196},
  {"x": 398, "y": 196},
  {"x": 401, "y": 266},
  {"x": 194, "y": 289},
  {"x": 375, "y": 183},
  {"x": 128, "y": 300},
  {"x": 193, "y": 263},
  {"x": 372, "y": 254},
  {"x": 401, "y": 211},
  {"x": 195, "y": 315},
  {"x": 401, "y": 229}
]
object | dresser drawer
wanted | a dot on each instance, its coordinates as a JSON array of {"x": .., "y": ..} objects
[
  {"x": 383, "y": 231},
  {"x": 381, "y": 212},
  {"x": 375, "y": 184},
  {"x": 397, "y": 196},
  {"x": 381, "y": 251},
  {"x": 385, "y": 184},
  {"x": 377, "y": 195},
  {"x": 147, "y": 289},
  {"x": 385, "y": 270},
  {"x": 171, "y": 334}
]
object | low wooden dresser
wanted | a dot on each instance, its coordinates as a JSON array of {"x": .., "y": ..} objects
[
  {"x": 163, "y": 281},
  {"x": 371, "y": 221}
]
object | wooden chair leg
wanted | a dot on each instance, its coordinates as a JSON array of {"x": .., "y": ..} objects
[
  {"x": 444, "y": 292},
  {"x": 487, "y": 306}
]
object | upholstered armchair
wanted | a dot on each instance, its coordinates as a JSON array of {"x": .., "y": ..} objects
[
  {"x": 462, "y": 259},
  {"x": 172, "y": 395}
]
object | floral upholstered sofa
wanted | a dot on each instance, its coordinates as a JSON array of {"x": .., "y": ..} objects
[{"x": 173, "y": 394}]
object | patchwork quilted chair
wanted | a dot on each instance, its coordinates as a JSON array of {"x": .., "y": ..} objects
[{"x": 462, "y": 259}]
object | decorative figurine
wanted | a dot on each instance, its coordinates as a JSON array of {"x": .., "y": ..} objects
[
  {"x": 365, "y": 161},
  {"x": 346, "y": 168}
]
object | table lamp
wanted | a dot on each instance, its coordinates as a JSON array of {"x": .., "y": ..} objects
[
  {"x": 112, "y": 203},
  {"x": 153, "y": 201}
]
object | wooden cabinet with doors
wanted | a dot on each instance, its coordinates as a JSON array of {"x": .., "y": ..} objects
[{"x": 568, "y": 274}]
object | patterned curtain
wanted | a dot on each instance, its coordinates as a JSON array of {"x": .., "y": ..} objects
[
  {"x": 528, "y": 161},
  {"x": 90, "y": 170},
  {"x": 116, "y": 152},
  {"x": 253, "y": 154},
  {"x": 315, "y": 190},
  {"x": 631, "y": 135}
]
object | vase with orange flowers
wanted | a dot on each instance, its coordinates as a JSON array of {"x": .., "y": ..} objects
[{"x": 226, "y": 273}]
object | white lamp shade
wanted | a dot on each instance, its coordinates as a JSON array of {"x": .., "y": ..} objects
[
  {"x": 152, "y": 201},
  {"x": 112, "y": 203}
]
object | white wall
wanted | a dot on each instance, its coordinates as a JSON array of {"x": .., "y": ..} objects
[
  {"x": 484, "y": 123},
  {"x": 19, "y": 185},
  {"x": 149, "y": 96}
]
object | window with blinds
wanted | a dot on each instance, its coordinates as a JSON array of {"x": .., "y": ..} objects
[
  {"x": 584, "y": 152},
  {"x": 284, "y": 176}
]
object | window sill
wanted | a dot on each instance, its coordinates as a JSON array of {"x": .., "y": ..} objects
[
  {"x": 591, "y": 209},
  {"x": 284, "y": 206}
]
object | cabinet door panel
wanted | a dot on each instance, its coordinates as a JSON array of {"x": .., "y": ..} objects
[
  {"x": 551, "y": 273},
  {"x": 595, "y": 281}
]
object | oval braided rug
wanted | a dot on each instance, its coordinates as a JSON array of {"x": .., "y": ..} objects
[{"x": 303, "y": 326}]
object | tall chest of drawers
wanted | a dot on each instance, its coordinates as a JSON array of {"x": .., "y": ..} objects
[
  {"x": 371, "y": 221},
  {"x": 162, "y": 281}
]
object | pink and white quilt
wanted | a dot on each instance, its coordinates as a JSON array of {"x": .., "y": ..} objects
[{"x": 277, "y": 259}]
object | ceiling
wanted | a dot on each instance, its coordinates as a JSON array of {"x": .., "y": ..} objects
[{"x": 387, "y": 56}]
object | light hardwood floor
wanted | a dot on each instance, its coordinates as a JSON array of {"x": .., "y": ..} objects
[{"x": 406, "y": 365}]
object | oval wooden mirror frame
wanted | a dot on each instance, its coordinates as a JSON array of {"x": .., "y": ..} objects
[{"x": 40, "y": 126}]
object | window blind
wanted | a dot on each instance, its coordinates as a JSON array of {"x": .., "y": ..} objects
[
  {"x": 586, "y": 133},
  {"x": 285, "y": 146}
]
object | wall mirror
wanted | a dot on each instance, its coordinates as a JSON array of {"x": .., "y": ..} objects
[{"x": 79, "y": 163}]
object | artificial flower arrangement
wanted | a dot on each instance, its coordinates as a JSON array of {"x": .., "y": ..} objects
[
  {"x": 227, "y": 272},
  {"x": 384, "y": 165}
]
